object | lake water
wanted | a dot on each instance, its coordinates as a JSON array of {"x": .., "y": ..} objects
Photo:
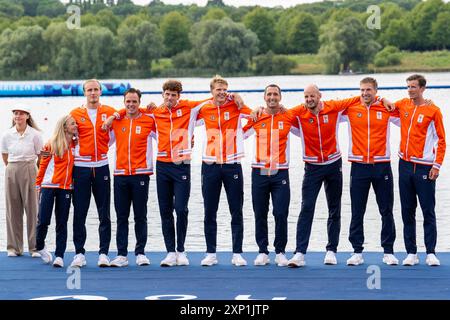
[{"x": 47, "y": 110}]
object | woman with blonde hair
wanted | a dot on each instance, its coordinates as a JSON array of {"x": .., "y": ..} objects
[
  {"x": 20, "y": 147},
  {"x": 54, "y": 185}
]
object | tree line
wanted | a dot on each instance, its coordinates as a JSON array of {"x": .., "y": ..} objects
[{"x": 119, "y": 39}]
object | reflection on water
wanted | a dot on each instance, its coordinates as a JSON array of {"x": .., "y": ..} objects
[{"x": 47, "y": 110}]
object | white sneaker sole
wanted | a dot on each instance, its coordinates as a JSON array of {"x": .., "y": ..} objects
[
  {"x": 209, "y": 264},
  {"x": 76, "y": 265}
]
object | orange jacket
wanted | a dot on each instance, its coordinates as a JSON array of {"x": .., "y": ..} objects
[
  {"x": 422, "y": 133},
  {"x": 271, "y": 140},
  {"x": 369, "y": 132},
  {"x": 134, "y": 145},
  {"x": 93, "y": 142},
  {"x": 56, "y": 172},
  {"x": 319, "y": 133},
  {"x": 224, "y": 135}
]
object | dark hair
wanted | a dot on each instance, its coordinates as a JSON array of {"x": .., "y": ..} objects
[
  {"x": 371, "y": 81},
  {"x": 272, "y": 86},
  {"x": 133, "y": 90},
  {"x": 172, "y": 85},
  {"x": 420, "y": 78}
]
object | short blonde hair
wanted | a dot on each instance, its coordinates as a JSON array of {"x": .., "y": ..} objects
[
  {"x": 92, "y": 80},
  {"x": 217, "y": 80}
]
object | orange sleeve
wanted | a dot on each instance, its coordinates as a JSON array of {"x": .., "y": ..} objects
[
  {"x": 43, "y": 164},
  {"x": 342, "y": 105},
  {"x": 245, "y": 110},
  {"x": 441, "y": 145},
  {"x": 193, "y": 104}
]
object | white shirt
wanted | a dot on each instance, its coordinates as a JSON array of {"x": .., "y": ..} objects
[
  {"x": 25, "y": 147},
  {"x": 92, "y": 115}
]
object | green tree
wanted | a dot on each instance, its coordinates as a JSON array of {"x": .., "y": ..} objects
[
  {"x": 11, "y": 9},
  {"x": 389, "y": 56},
  {"x": 63, "y": 55},
  {"x": 214, "y": 14},
  {"x": 223, "y": 45},
  {"x": 345, "y": 42},
  {"x": 29, "y": 7},
  {"x": 398, "y": 33},
  {"x": 303, "y": 34},
  {"x": 142, "y": 43},
  {"x": 270, "y": 64},
  {"x": 441, "y": 31},
  {"x": 50, "y": 8},
  {"x": 94, "y": 52},
  {"x": 421, "y": 19},
  {"x": 21, "y": 51},
  {"x": 175, "y": 30},
  {"x": 261, "y": 22}
]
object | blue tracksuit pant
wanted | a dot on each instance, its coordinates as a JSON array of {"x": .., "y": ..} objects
[
  {"x": 414, "y": 183},
  {"x": 97, "y": 182},
  {"x": 362, "y": 176},
  {"x": 61, "y": 199},
  {"x": 173, "y": 183},
  {"x": 330, "y": 175},
  {"x": 213, "y": 176},
  {"x": 277, "y": 186},
  {"x": 131, "y": 190}
]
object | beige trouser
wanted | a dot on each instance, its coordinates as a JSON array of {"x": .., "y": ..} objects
[{"x": 21, "y": 195}]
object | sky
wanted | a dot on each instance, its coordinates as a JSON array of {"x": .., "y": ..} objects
[{"x": 236, "y": 3}]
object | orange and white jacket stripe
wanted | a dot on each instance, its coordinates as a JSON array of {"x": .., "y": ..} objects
[
  {"x": 319, "y": 133},
  {"x": 422, "y": 133},
  {"x": 93, "y": 142},
  {"x": 224, "y": 135},
  {"x": 369, "y": 130},
  {"x": 134, "y": 153},
  {"x": 271, "y": 147},
  {"x": 56, "y": 172},
  {"x": 174, "y": 129}
]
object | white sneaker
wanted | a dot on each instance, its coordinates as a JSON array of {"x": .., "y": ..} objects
[
  {"x": 12, "y": 253},
  {"x": 119, "y": 261},
  {"x": 142, "y": 260},
  {"x": 330, "y": 258},
  {"x": 238, "y": 260},
  {"x": 281, "y": 260},
  {"x": 35, "y": 254},
  {"x": 411, "y": 259},
  {"x": 390, "y": 259},
  {"x": 182, "y": 259},
  {"x": 45, "y": 255},
  {"x": 78, "y": 261},
  {"x": 298, "y": 260},
  {"x": 58, "y": 263},
  {"x": 209, "y": 260},
  {"x": 432, "y": 260},
  {"x": 103, "y": 261},
  {"x": 170, "y": 260},
  {"x": 355, "y": 260},
  {"x": 261, "y": 259}
]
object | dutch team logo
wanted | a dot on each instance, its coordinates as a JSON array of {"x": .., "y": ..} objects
[
  {"x": 379, "y": 115},
  {"x": 179, "y": 113},
  {"x": 103, "y": 116},
  {"x": 420, "y": 118},
  {"x": 138, "y": 130},
  {"x": 325, "y": 118},
  {"x": 226, "y": 115},
  {"x": 280, "y": 125}
]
